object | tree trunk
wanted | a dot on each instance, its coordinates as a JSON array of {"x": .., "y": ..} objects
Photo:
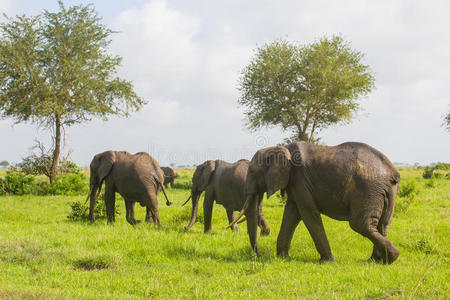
[{"x": 57, "y": 149}]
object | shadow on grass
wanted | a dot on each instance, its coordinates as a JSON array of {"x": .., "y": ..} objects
[
  {"x": 241, "y": 254},
  {"x": 95, "y": 263}
]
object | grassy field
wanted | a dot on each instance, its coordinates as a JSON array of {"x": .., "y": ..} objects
[{"x": 44, "y": 255}]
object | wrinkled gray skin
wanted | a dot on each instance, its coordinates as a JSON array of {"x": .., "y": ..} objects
[
  {"x": 350, "y": 182},
  {"x": 224, "y": 183},
  {"x": 169, "y": 176},
  {"x": 136, "y": 177}
]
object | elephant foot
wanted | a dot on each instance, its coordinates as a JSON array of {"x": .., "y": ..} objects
[
  {"x": 326, "y": 259},
  {"x": 134, "y": 221},
  {"x": 207, "y": 231},
  {"x": 283, "y": 254},
  {"x": 385, "y": 257},
  {"x": 265, "y": 231}
]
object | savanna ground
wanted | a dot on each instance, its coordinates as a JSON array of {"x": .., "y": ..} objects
[{"x": 45, "y": 255}]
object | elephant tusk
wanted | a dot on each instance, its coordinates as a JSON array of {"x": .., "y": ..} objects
[
  {"x": 240, "y": 214},
  {"x": 89, "y": 195},
  {"x": 242, "y": 220},
  {"x": 187, "y": 200}
]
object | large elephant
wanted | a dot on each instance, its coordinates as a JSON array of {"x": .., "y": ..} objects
[
  {"x": 351, "y": 181},
  {"x": 224, "y": 183},
  {"x": 136, "y": 177},
  {"x": 169, "y": 176}
]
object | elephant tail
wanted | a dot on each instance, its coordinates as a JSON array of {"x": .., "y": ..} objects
[
  {"x": 168, "y": 203},
  {"x": 187, "y": 200},
  {"x": 389, "y": 205}
]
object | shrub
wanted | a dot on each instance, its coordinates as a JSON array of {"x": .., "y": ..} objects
[
  {"x": 16, "y": 183},
  {"x": 408, "y": 189},
  {"x": 70, "y": 184},
  {"x": 80, "y": 211},
  {"x": 428, "y": 172},
  {"x": 96, "y": 263},
  {"x": 442, "y": 166},
  {"x": 407, "y": 194}
]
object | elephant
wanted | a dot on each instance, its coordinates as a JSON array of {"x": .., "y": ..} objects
[
  {"x": 136, "y": 177},
  {"x": 224, "y": 183},
  {"x": 169, "y": 176},
  {"x": 350, "y": 182}
]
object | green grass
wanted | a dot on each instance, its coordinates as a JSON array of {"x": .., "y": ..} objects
[{"x": 45, "y": 256}]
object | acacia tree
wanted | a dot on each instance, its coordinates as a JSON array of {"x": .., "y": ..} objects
[
  {"x": 303, "y": 89},
  {"x": 55, "y": 71}
]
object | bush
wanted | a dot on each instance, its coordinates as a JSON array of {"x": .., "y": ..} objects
[
  {"x": 70, "y": 184},
  {"x": 428, "y": 172},
  {"x": 80, "y": 211},
  {"x": 442, "y": 166},
  {"x": 16, "y": 183},
  {"x": 408, "y": 189},
  {"x": 407, "y": 194}
]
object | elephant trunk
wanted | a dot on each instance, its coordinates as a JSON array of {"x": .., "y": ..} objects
[
  {"x": 252, "y": 222},
  {"x": 94, "y": 192},
  {"x": 195, "y": 202}
]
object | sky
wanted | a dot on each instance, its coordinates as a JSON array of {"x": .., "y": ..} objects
[{"x": 185, "y": 58}]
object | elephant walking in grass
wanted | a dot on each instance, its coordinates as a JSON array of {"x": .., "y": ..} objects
[
  {"x": 169, "y": 176},
  {"x": 223, "y": 182},
  {"x": 351, "y": 182},
  {"x": 136, "y": 177}
]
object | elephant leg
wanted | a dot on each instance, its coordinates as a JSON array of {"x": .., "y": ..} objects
[
  {"x": 129, "y": 206},
  {"x": 262, "y": 222},
  {"x": 378, "y": 254},
  {"x": 154, "y": 210},
  {"x": 291, "y": 218},
  {"x": 207, "y": 210},
  {"x": 148, "y": 215},
  {"x": 230, "y": 215},
  {"x": 367, "y": 223},
  {"x": 110, "y": 202},
  {"x": 313, "y": 222}
]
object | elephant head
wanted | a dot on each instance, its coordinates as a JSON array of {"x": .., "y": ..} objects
[
  {"x": 200, "y": 181},
  {"x": 100, "y": 167},
  {"x": 268, "y": 172}
]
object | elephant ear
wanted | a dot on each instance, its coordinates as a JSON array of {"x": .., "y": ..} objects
[
  {"x": 106, "y": 162},
  {"x": 205, "y": 172},
  {"x": 277, "y": 163}
]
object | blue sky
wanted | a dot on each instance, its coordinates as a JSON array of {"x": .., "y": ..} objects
[{"x": 184, "y": 57}]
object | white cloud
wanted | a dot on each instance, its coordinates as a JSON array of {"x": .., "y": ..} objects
[{"x": 185, "y": 58}]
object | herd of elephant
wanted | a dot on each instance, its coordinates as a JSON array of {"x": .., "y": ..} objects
[{"x": 351, "y": 181}]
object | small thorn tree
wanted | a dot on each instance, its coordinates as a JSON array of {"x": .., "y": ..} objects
[{"x": 56, "y": 71}]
